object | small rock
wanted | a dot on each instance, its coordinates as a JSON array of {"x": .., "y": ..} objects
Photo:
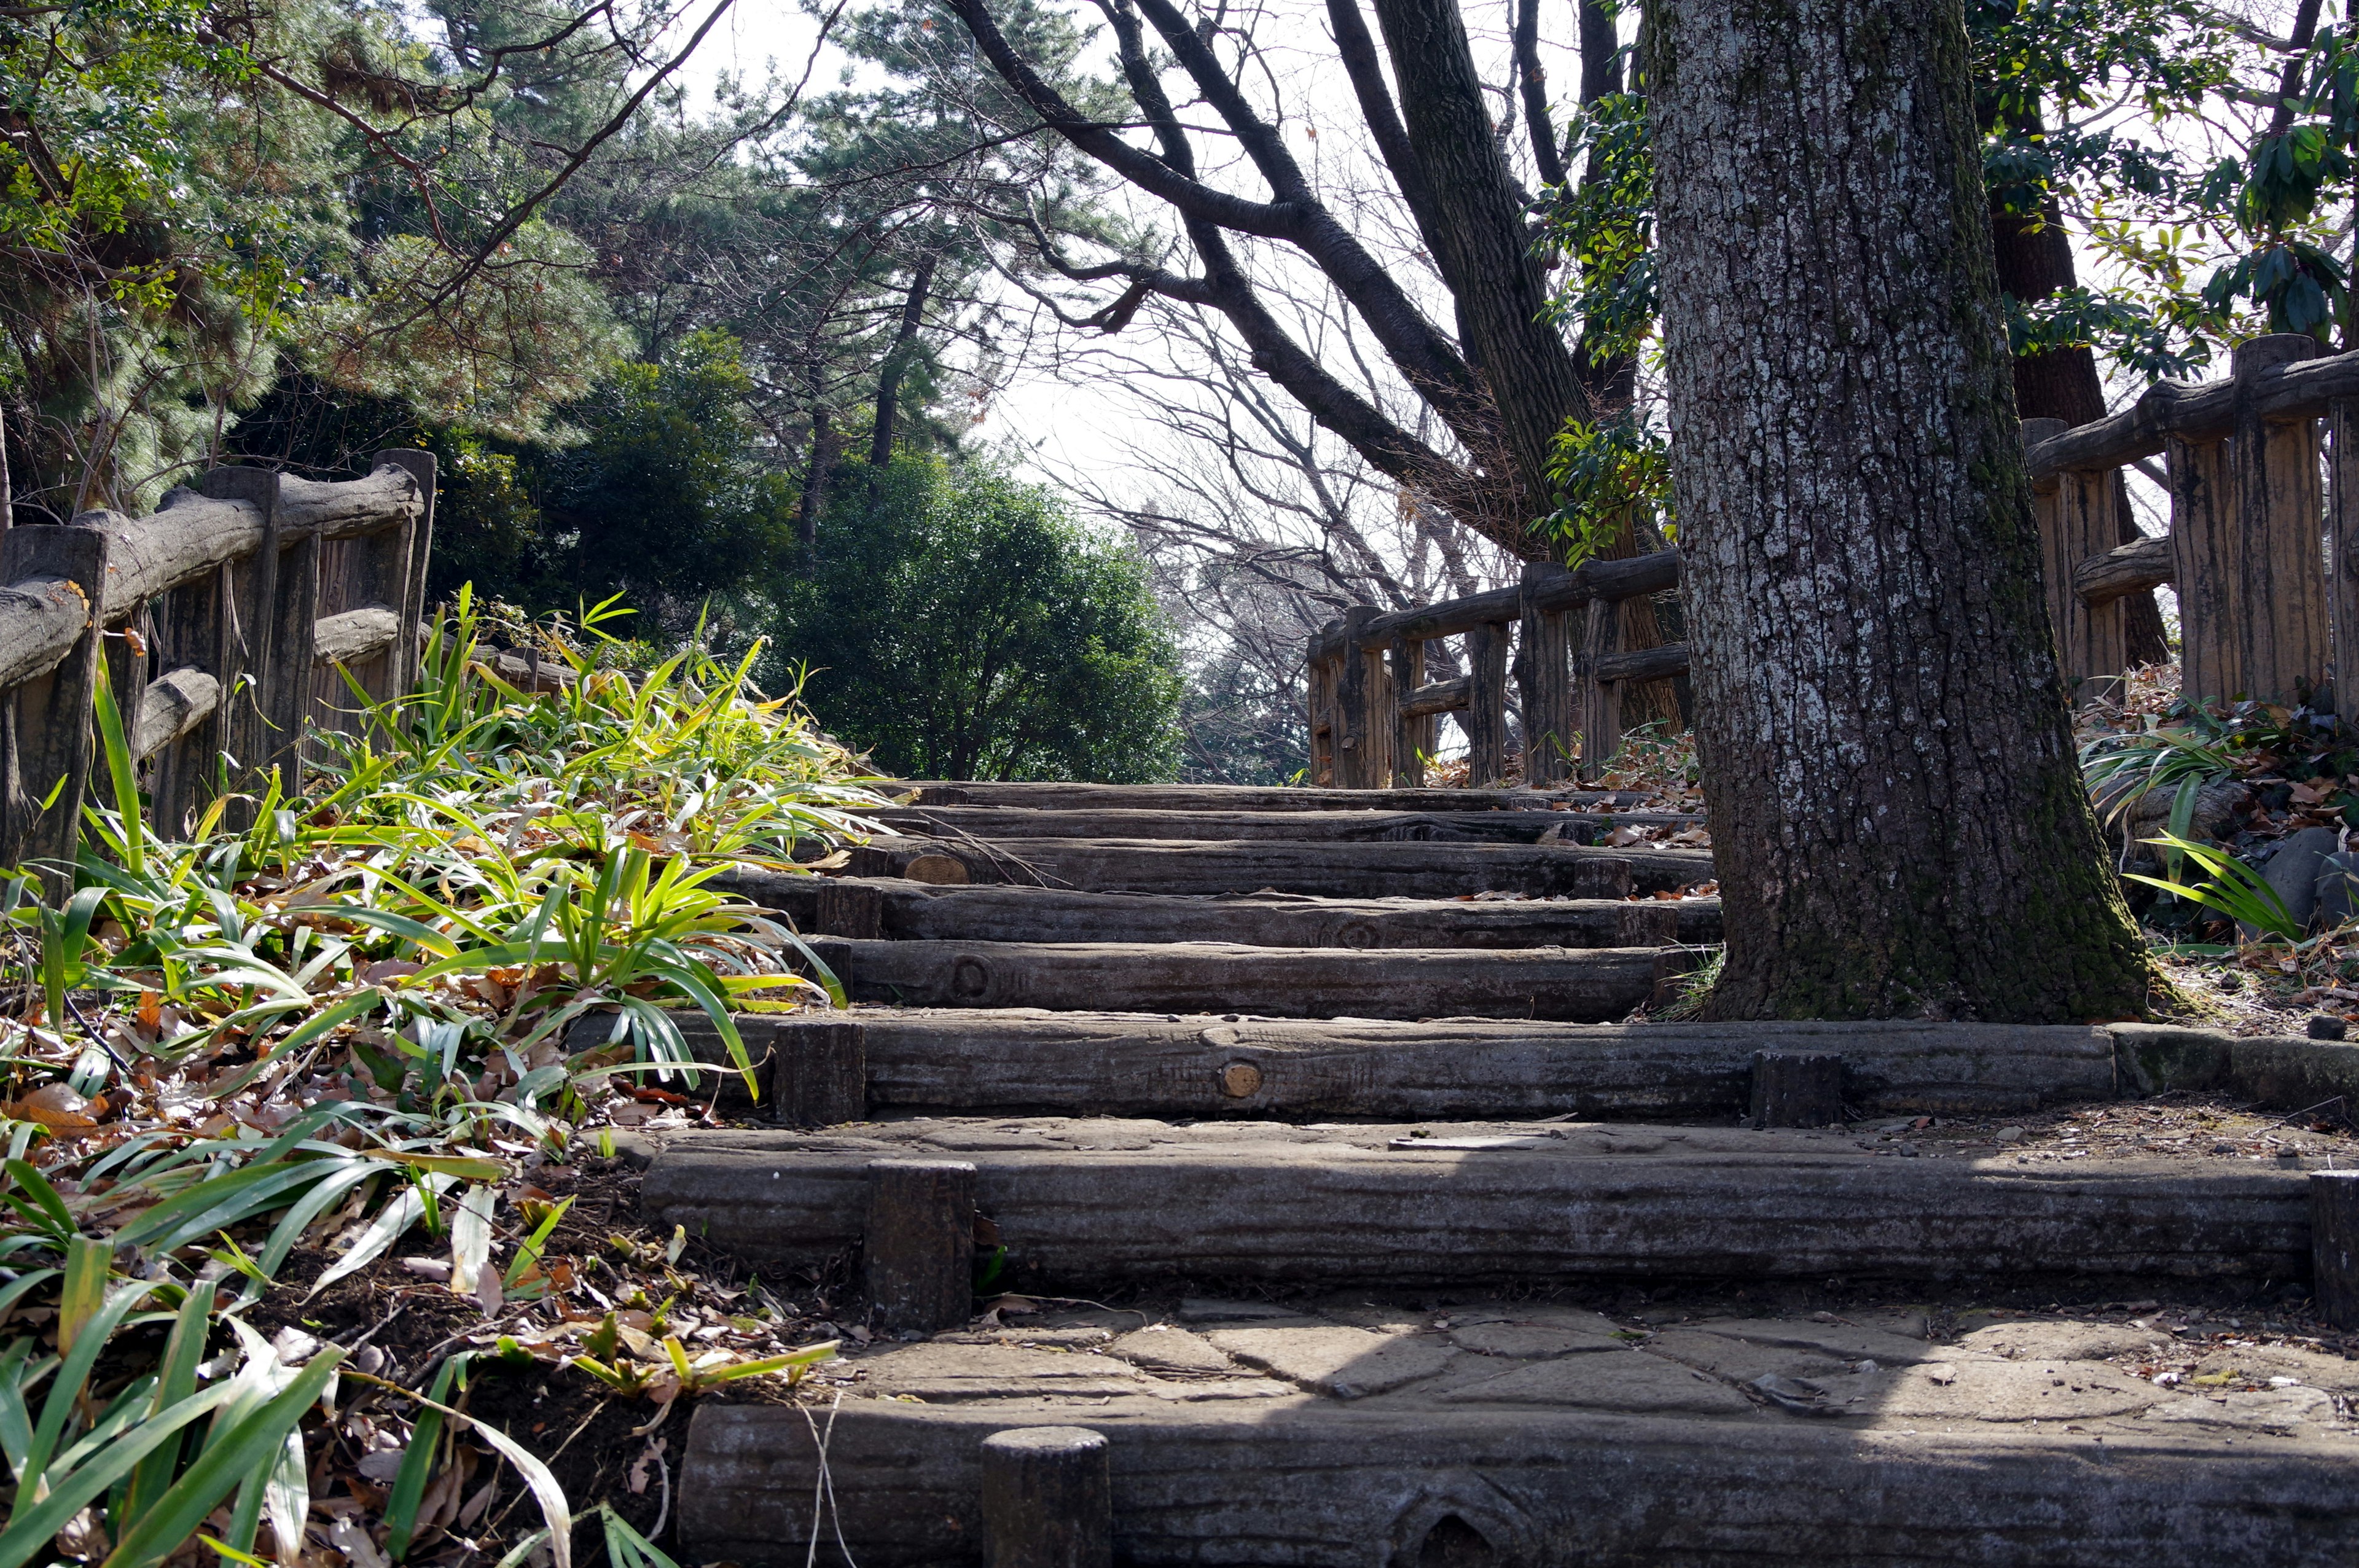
[
  {"x": 2010, "y": 1135},
  {"x": 2294, "y": 871},
  {"x": 2326, "y": 1026},
  {"x": 2231, "y": 981},
  {"x": 2338, "y": 889}
]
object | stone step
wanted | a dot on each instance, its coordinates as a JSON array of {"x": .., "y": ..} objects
[
  {"x": 1582, "y": 985},
  {"x": 1327, "y": 870},
  {"x": 1083, "y": 1205},
  {"x": 1001, "y": 822},
  {"x": 1521, "y": 1432},
  {"x": 1050, "y": 796},
  {"x": 897, "y": 908}
]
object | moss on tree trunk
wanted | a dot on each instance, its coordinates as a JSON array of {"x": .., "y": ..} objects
[{"x": 1900, "y": 823}]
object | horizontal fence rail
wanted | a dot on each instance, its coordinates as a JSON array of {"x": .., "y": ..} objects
[
  {"x": 228, "y": 620},
  {"x": 2263, "y": 475}
]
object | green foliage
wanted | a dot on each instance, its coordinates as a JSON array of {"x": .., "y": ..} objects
[
  {"x": 671, "y": 497},
  {"x": 1609, "y": 475},
  {"x": 2235, "y": 889},
  {"x": 958, "y": 625}
]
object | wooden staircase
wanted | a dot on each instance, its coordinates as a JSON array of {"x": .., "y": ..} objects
[{"x": 1346, "y": 1224}]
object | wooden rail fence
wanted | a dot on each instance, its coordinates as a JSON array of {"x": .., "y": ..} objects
[
  {"x": 223, "y": 619},
  {"x": 2263, "y": 550}
]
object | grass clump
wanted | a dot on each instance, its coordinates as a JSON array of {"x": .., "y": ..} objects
[{"x": 314, "y": 1024}]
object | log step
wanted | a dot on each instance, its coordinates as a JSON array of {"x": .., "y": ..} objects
[
  {"x": 1081, "y": 1204},
  {"x": 897, "y": 908},
  {"x": 1050, "y": 796},
  {"x": 1581, "y": 985},
  {"x": 1203, "y": 1471},
  {"x": 1000, "y": 822},
  {"x": 1326, "y": 870}
]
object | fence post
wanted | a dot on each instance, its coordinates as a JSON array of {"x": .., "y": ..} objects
[
  {"x": 1412, "y": 737},
  {"x": 1486, "y": 704},
  {"x": 409, "y": 559},
  {"x": 2245, "y": 520},
  {"x": 1600, "y": 699},
  {"x": 2077, "y": 518},
  {"x": 45, "y": 725},
  {"x": 265, "y": 720},
  {"x": 2277, "y": 476},
  {"x": 1356, "y": 709},
  {"x": 1319, "y": 694},
  {"x": 2343, "y": 552},
  {"x": 1548, "y": 718}
]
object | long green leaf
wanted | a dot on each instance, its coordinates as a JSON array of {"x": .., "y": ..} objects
[
  {"x": 417, "y": 1462},
  {"x": 33, "y": 1525},
  {"x": 249, "y": 1446}
]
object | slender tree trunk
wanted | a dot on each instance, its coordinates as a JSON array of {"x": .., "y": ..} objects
[
  {"x": 897, "y": 360},
  {"x": 8, "y": 495},
  {"x": 1481, "y": 240},
  {"x": 1899, "y": 825},
  {"x": 825, "y": 448},
  {"x": 2035, "y": 260}
]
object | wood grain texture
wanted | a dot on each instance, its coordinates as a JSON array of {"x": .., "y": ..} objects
[
  {"x": 1241, "y": 797},
  {"x": 173, "y": 704},
  {"x": 1583, "y": 985},
  {"x": 355, "y": 635},
  {"x": 1486, "y": 703},
  {"x": 1324, "y": 1484},
  {"x": 2282, "y": 627},
  {"x": 2343, "y": 549},
  {"x": 2125, "y": 570},
  {"x": 1550, "y": 719},
  {"x": 1001, "y": 823},
  {"x": 1082, "y": 1205},
  {"x": 910, "y": 910},
  {"x": 1328, "y": 870}
]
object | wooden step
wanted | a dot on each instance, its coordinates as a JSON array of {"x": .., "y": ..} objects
[
  {"x": 1583, "y": 985},
  {"x": 1327, "y": 870},
  {"x": 1204, "y": 1471},
  {"x": 1241, "y": 797},
  {"x": 1002, "y": 822},
  {"x": 1082, "y": 1204},
  {"x": 895, "y": 907}
]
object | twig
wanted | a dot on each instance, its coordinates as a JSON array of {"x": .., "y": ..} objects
[{"x": 2321, "y": 1105}]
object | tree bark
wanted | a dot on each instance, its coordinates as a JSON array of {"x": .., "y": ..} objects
[
  {"x": 1899, "y": 825},
  {"x": 813, "y": 501},
  {"x": 1480, "y": 238},
  {"x": 2035, "y": 260},
  {"x": 897, "y": 360}
]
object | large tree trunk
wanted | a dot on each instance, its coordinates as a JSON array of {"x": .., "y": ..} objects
[
  {"x": 1900, "y": 829},
  {"x": 2035, "y": 260}
]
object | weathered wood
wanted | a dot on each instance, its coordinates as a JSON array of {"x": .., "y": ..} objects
[
  {"x": 1117, "y": 1063},
  {"x": 1328, "y": 870},
  {"x": 2206, "y": 540},
  {"x": 1413, "y": 729},
  {"x": 172, "y": 705},
  {"x": 918, "y": 1242},
  {"x": 914, "y": 911},
  {"x": 355, "y": 635},
  {"x": 46, "y": 732},
  {"x": 194, "y": 531},
  {"x": 1241, "y": 797},
  {"x": 998, "y": 823},
  {"x": 1380, "y": 1482},
  {"x": 1321, "y": 687},
  {"x": 41, "y": 619},
  {"x": 1797, "y": 1089},
  {"x": 2282, "y": 626},
  {"x": 1081, "y": 1204},
  {"x": 1486, "y": 703},
  {"x": 1356, "y": 711},
  {"x": 2197, "y": 413},
  {"x": 818, "y": 1071},
  {"x": 2335, "y": 1245},
  {"x": 841, "y": 906},
  {"x": 1550, "y": 719},
  {"x": 1441, "y": 697},
  {"x": 1593, "y": 985},
  {"x": 2125, "y": 570},
  {"x": 1659, "y": 663},
  {"x": 410, "y": 552},
  {"x": 2077, "y": 521},
  {"x": 196, "y": 630},
  {"x": 1048, "y": 1498},
  {"x": 1599, "y": 696},
  {"x": 2342, "y": 551},
  {"x": 1630, "y": 578}
]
